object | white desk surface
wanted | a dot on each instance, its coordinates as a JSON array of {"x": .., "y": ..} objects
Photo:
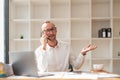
[{"x": 68, "y": 76}]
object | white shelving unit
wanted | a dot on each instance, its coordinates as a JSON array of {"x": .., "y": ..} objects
[{"x": 78, "y": 23}]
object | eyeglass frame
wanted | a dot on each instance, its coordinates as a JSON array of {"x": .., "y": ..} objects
[{"x": 47, "y": 31}]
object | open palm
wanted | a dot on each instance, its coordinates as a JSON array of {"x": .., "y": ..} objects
[{"x": 88, "y": 48}]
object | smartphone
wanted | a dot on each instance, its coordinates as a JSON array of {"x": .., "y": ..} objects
[{"x": 42, "y": 34}]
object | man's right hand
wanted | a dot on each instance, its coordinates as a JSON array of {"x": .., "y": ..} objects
[{"x": 44, "y": 41}]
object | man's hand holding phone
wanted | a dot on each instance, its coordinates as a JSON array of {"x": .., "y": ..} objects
[{"x": 44, "y": 40}]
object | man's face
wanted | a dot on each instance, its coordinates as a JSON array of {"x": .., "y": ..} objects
[{"x": 49, "y": 29}]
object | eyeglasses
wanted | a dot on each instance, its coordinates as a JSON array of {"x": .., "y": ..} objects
[{"x": 48, "y": 30}]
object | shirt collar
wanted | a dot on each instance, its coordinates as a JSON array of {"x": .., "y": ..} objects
[{"x": 49, "y": 47}]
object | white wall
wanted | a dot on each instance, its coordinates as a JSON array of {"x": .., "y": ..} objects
[{"x": 1, "y": 30}]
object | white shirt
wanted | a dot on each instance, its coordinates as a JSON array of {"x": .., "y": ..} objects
[{"x": 57, "y": 58}]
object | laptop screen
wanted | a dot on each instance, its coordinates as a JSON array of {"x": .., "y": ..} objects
[{"x": 23, "y": 63}]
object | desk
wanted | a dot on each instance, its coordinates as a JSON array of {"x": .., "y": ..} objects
[
  {"x": 68, "y": 76},
  {"x": 57, "y": 79}
]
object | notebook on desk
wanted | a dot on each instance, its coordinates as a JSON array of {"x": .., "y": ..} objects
[{"x": 24, "y": 64}]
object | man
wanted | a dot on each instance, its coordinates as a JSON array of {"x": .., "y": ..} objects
[{"x": 53, "y": 55}]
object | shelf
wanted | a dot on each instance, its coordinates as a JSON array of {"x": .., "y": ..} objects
[
  {"x": 80, "y": 19},
  {"x": 116, "y": 28},
  {"x": 100, "y": 39},
  {"x": 101, "y": 18},
  {"x": 116, "y": 66},
  {"x": 116, "y": 48},
  {"x": 99, "y": 24},
  {"x": 116, "y": 9},
  {"x": 35, "y": 29},
  {"x": 116, "y": 17},
  {"x": 80, "y": 9},
  {"x": 74, "y": 39},
  {"x": 34, "y": 44},
  {"x": 78, "y": 23},
  {"x": 103, "y": 47},
  {"x": 98, "y": 59},
  {"x": 116, "y": 38},
  {"x": 18, "y": 29},
  {"x": 17, "y": 8},
  {"x": 60, "y": 9},
  {"x": 101, "y": 8},
  {"x": 40, "y": 9},
  {"x": 21, "y": 40},
  {"x": 20, "y": 46},
  {"x": 80, "y": 29},
  {"x": 63, "y": 29},
  {"x": 116, "y": 58},
  {"x": 19, "y": 20},
  {"x": 106, "y": 63},
  {"x": 78, "y": 45},
  {"x": 85, "y": 66}
]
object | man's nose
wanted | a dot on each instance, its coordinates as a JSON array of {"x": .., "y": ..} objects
[{"x": 50, "y": 32}]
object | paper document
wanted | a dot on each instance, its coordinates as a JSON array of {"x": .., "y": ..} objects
[
  {"x": 107, "y": 75},
  {"x": 79, "y": 75}
]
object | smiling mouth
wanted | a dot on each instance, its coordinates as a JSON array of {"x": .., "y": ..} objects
[{"x": 51, "y": 37}]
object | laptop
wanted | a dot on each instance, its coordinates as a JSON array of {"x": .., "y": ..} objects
[{"x": 24, "y": 64}]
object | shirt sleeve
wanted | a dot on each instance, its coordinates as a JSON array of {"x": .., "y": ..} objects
[
  {"x": 41, "y": 60},
  {"x": 78, "y": 61}
]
